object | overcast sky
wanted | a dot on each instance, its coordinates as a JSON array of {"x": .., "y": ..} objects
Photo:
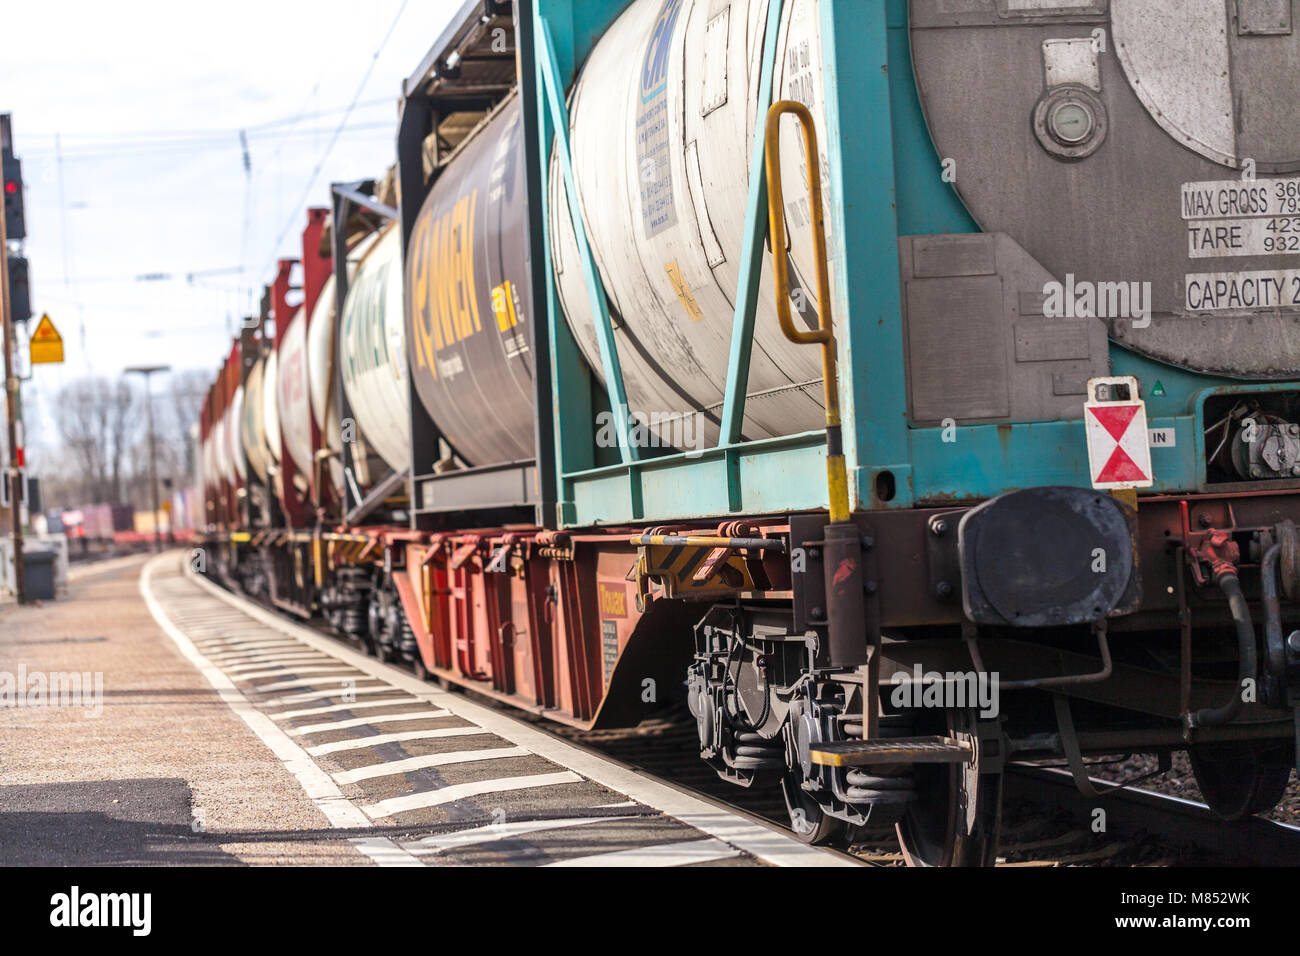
[{"x": 147, "y": 100}]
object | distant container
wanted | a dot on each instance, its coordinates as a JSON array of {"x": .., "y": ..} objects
[
  {"x": 146, "y": 523},
  {"x": 123, "y": 517}
]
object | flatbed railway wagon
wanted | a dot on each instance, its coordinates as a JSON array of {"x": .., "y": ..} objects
[{"x": 906, "y": 389}]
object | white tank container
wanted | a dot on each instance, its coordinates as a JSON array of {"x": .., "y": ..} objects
[
  {"x": 234, "y": 437},
  {"x": 221, "y": 450},
  {"x": 212, "y": 472},
  {"x": 662, "y": 121},
  {"x": 320, "y": 353},
  {"x": 270, "y": 410},
  {"x": 205, "y": 465},
  {"x": 320, "y": 375},
  {"x": 293, "y": 399},
  {"x": 253, "y": 426},
  {"x": 373, "y": 351}
]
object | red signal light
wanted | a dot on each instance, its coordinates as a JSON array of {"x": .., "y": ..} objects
[{"x": 11, "y": 187}]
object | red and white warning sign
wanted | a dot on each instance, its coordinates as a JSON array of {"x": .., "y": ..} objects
[{"x": 1119, "y": 449}]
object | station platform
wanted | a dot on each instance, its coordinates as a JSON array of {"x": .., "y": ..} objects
[{"x": 144, "y": 763}]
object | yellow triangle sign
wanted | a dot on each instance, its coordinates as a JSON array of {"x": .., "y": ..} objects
[{"x": 46, "y": 343}]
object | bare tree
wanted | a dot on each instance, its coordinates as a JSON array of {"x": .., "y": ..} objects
[
  {"x": 124, "y": 416},
  {"x": 103, "y": 451},
  {"x": 184, "y": 400},
  {"x": 97, "y": 421},
  {"x": 176, "y": 408}
]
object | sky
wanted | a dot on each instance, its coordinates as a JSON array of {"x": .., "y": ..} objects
[{"x": 127, "y": 117}]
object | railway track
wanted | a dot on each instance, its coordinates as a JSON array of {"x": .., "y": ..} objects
[
  {"x": 398, "y": 729},
  {"x": 1143, "y": 828},
  {"x": 1046, "y": 821}
]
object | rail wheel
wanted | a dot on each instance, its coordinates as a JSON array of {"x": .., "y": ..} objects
[
  {"x": 955, "y": 818},
  {"x": 1238, "y": 780},
  {"x": 810, "y": 823}
]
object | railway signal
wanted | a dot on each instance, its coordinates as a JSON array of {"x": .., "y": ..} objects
[
  {"x": 15, "y": 225},
  {"x": 20, "y": 299}
]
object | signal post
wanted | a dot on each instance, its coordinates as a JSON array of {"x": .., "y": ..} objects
[{"x": 13, "y": 217}]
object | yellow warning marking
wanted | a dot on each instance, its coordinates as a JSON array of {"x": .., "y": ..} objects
[
  {"x": 684, "y": 296},
  {"x": 46, "y": 344}
]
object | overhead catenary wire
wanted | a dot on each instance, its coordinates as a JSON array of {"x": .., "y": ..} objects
[
  {"x": 223, "y": 133},
  {"x": 295, "y": 210},
  {"x": 184, "y": 145}
]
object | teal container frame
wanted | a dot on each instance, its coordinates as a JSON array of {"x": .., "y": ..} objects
[{"x": 884, "y": 183}]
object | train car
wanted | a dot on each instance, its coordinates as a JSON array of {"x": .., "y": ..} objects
[
  {"x": 899, "y": 418},
  {"x": 272, "y": 443}
]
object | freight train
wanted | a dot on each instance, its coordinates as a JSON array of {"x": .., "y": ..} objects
[{"x": 903, "y": 390}]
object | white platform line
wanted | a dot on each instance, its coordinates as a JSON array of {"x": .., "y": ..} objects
[
  {"x": 288, "y": 654},
  {"x": 228, "y": 638},
  {"x": 232, "y": 648},
  {"x": 434, "y": 798},
  {"x": 393, "y": 767},
  {"x": 225, "y": 635},
  {"x": 662, "y": 854},
  {"x": 206, "y": 619},
  {"x": 494, "y": 832},
  {"x": 366, "y": 721},
  {"x": 764, "y": 842},
  {"x": 298, "y": 670},
  {"x": 384, "y": 851},
  {"x": 341, "y": 692},
  {"x": 351, "y": 678},
  {"x": 225, "y": 650},
  {"x": 245, "y": 665},
  {"x": 316, "y": 660},
  {"x": 374, "y": 740},
  {"x": 335, "y": 708},
  {"x": 268, "y": 660},
  {"x": 323, "y": 792}
]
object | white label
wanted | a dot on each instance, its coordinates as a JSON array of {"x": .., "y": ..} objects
[
  {"x": 1212, "y": 291},
  {"x": 1235, "y": 198},
  {"x": 1271, "y": 236},
  {"x": 1162, "y": 437}
]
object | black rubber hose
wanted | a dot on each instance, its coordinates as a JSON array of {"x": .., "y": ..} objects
[
  {"x": 1274, "y": 645},
  {"x": 1230, "y": 585}
]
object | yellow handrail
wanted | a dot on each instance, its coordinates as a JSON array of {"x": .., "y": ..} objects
[{"x": 824, "y": 335}]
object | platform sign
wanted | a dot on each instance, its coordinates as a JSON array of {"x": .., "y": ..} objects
[
  {"x": 1119, "y": 443},
  {"x": 46, "y": 343}
]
